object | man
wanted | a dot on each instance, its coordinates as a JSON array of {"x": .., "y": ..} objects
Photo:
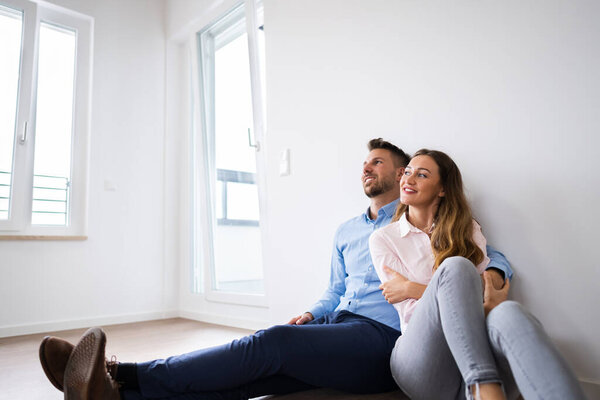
[{"x": 343, "y": 342}]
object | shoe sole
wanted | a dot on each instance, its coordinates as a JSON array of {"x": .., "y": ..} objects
[
  {"x": 82, "y": 363},
  {"x": 46, "y": 368}
]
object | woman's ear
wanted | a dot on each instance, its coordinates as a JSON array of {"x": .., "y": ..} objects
[{"x": 441, "y": 193}]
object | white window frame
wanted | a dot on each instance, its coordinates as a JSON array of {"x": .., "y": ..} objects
[
  {"x": 203, "y": 272},
  {"x": 18, "y": 225}
]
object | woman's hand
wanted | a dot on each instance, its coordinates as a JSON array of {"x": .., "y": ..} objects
[
  {"x": 492, "y": 296},
  {"x": 398, "y": 288}
]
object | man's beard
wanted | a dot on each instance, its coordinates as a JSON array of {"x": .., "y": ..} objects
[{"x": 378, "y": 188}]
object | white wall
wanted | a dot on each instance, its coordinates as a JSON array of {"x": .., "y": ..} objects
[
  {"x": 510, "y": 89},
  {"x": 119, "y": 273}
]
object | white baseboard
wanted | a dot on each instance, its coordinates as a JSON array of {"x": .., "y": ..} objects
[
  {"x": 53, "y": 326},
  {"x": 591, "y": 388},
  {"x": 217, "y": 319}
]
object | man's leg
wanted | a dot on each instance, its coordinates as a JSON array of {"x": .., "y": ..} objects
[
  {"x": 446, "y": 344},
  {"x": 277, "y": 384},
  {"x": 522, "y": 347},
  {"x": 346, "y": 352}
]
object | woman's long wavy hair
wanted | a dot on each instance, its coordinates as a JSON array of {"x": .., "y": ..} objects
[{"x": 453, "y": 231}]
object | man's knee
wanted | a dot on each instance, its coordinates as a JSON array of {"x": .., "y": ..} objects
[{"x": 278, "y": 334}]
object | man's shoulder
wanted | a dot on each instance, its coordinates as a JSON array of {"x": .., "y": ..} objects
[{"x": 352, "y": 223}]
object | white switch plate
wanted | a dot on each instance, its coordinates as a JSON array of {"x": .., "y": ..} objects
[
  {"x": 284, "y": 163},
  {"x": 109, "y": 186}
]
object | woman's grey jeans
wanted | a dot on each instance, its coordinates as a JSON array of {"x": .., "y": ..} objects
[{"x": 451, "y": 345}]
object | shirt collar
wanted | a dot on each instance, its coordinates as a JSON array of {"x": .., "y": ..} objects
[
  {"x": 406, "y": 227},
  {"x": 388, "y": 210}
]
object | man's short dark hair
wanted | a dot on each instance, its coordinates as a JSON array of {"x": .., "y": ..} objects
[{"x": 401, "y": 159}]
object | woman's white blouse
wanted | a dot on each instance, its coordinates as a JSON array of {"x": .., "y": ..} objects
[{"x": 407, "y": 250}]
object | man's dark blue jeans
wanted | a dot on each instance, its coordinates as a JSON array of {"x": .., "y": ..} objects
[{"x": 340, "y": 350}]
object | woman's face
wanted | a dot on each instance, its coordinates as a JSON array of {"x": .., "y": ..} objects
[{"x": 421, "y": 185}]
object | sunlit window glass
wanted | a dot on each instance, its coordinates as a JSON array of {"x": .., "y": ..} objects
[
  {"x": 242, "y": 201},
  {"x": 233, "y": 107},
  {"x": 11, "y": 22},
  {"x": 54, "y": 125},
  {"x": 236, "y": 256}
]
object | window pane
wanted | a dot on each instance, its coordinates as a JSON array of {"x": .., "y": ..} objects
[
  {"x": 242, "y": 201},
  {"x": 219, "y": 195},
  {"x": 236, "y": 237},
  {"x": 50, "y": 200},
  {"x": 11, "y": 22},
  {"x": 238, "y": 259},
  {"x": 233, "y": 107},
  {"x": 54, "y": 121}
]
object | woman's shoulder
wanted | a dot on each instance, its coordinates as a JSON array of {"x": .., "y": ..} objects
[
  {"x": 385, "y": 233},
  {"x": 476, "y": 225}
]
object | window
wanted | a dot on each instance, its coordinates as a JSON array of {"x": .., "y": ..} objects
[
  {"x": 45, "y": 80},
  {"x": 228, "y": 180}
]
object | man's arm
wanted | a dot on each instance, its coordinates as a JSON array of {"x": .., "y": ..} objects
[
  {"x": 492, "y": 296},
  {"x": 499, "y": 267},
  {"x": 301, "y": 319},
  {"x": 336, "y": 289}
]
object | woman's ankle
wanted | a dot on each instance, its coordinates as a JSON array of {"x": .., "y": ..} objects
[{"x": 487, "y": 391}]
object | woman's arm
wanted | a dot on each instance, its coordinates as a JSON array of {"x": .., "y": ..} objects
[
  {"x": 398, "y": 288},
  {"x": 481, "y": 242},
  {"x": 395, "y": 286}
]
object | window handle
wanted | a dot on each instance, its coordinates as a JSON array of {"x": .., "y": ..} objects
[
  {"x": 255, "y": 145},
  {"x": 23, "y": 137}
]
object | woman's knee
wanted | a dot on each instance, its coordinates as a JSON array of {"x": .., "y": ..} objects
[
  {"x": 503, "y": 311},
  {"x": 458, "y": 266},
  {"x": 511, "y": 315}
]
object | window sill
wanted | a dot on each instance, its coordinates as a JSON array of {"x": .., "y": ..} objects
[{"x": 41, "y": 237}]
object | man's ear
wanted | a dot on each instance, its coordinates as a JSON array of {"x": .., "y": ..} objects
[{"x": 399, "y": 173}]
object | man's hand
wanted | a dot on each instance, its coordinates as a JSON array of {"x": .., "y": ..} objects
[
  {"x": 398, "y": 288},
  {"x": 301, "y": 319},
  {"x": 497, "y": 278},
  {"x": 491, "y": 295}
]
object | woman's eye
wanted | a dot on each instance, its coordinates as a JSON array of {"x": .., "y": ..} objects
[
  {"x": 406, "y": 173},
  {"x": 422, "y": 176}
]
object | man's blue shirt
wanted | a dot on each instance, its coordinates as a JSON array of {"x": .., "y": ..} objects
[{"x": 354, "y": 284}]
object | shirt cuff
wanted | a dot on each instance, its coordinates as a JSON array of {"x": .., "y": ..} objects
[
  {"x": 502, "y": 273},
  {"x": 317, "y": 310}
]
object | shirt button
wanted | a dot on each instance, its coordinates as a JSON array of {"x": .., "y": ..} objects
[{"x": 366, "y": 284}]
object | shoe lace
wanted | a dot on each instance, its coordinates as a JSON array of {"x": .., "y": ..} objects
[{"x": 112, "y": 366}]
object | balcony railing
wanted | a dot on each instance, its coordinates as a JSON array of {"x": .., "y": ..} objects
[
  {"x": 50, "y": 198},
  {"x": 225, "y": 176}
]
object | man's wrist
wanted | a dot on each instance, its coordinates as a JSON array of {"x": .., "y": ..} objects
[{"x": 498, "y": 270}]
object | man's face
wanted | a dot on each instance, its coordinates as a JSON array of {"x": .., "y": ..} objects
[{"x": 379, "y": 173}]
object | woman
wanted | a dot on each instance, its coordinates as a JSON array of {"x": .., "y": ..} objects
[{"x": 457, "y": 341}]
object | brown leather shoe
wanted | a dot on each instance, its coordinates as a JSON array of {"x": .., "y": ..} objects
[
  {"x": 54, "y": 354},
  {"x": 86, "y": 377}
]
